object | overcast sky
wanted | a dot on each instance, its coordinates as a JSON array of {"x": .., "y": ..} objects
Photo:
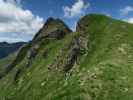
[{"x": 21, "y": 19}]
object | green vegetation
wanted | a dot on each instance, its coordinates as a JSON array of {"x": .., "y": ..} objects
[
  {"x": 6, "y": 61},
  {"x": 101, "y": 69}
]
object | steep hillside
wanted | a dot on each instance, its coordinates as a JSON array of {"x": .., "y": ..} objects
[
  {"x": 6, "y": 48},
  {"x": 93, "y": 63},
  {"x": 5, "y": 62}
]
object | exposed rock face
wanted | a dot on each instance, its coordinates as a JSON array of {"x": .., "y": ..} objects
[
  {"x": 81, "y": 25},
  {"x": 53, "y": 28},
  {"x": 68, "y": 56},
  {"x": 16, "y": 75},
  {"x": 32, "y": 54},
  {"x": 72, "y": 55}
]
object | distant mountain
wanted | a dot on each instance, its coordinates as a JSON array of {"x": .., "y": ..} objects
[
  {"x": 8, "y": 48},
  {"x": 93, "y": 63}
]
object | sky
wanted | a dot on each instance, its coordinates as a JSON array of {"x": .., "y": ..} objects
[{"x": 21, "y": 19}]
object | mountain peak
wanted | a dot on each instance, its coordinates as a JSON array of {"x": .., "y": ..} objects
[
  {"x": 90, "y": 19},
  {"x": 50, "y": 19},
  {"x": 53, "y": 20},
  {"x": 53, "y": 28}
]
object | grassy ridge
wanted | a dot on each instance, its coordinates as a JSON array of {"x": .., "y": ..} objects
[{"x": 103, "y": 71}]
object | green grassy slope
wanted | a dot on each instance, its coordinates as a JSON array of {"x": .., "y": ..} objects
[
  {"x": 109, "y": 58},
  {"x": 102, "y": 71},
  {"x": 4, "y": 62}
]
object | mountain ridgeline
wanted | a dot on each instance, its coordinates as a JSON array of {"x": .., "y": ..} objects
[
  {"x": 93, "y": 63},
  {"x": 6, "y": 48}
]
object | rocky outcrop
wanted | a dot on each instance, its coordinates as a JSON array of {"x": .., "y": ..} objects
[
  {"x": 16, "y": 75},
  {"x": 72, "y": 55},
  {"x": 68, "y": 56},
  {"x": 32, "y": 54},
  {"x": 53, "y": 28}
]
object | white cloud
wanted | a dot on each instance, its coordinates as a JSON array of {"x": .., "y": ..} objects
[
  {"x": 15, "y": 19},
  {"x": 130, "y": 20},
  {"x": 78, "y": 8},
  {"x": 126, "y": 10},
  {"x": 12, "y": 1},
  {"x": 10, "y": 40}
]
